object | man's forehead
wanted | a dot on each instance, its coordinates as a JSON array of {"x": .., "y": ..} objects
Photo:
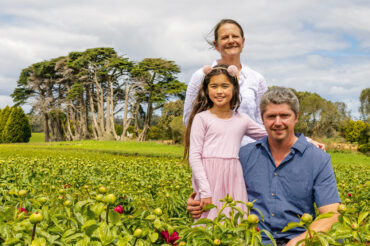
[{"x": 278, "y": 108}]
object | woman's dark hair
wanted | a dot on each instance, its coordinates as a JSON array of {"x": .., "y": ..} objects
[
  {"x": 203, "y": 102},
  {"x": 217, "y": 27}
]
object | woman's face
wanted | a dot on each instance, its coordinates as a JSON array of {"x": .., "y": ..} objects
[{"x": 229, "y": 41}]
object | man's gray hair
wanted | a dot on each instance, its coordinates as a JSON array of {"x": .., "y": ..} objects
[{"x": 279, "y": 95}]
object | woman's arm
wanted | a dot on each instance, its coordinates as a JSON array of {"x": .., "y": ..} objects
[{"x": 191, "y": 94}]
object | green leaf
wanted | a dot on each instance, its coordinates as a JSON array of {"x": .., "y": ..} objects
[
  {"x": 105, "y": 234},
  {"x": 269, "y": 235},
  {"x": 203, "y": 221},
  {"x": 153, "y": 237},
  {"x": 362, "y": 217},
  {"x": 89, "y": 227},
  {"x": 322, "y": 240},
  {"x": 208, "y": 207},
  {"x": 38, "y": 242},
  {"x": 291, "y": 225},
  {"x": 97, "y": 208},
  {"x": 114, "y": 218},
  {"x": 324, "y": 216}
]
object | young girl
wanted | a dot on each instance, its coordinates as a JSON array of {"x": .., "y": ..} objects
[{"x": 214, "y": 133}]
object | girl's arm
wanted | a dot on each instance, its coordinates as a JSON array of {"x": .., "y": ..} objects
[
  {"x": 253, "y": 129},
  {"x": 197, "y": 138}
]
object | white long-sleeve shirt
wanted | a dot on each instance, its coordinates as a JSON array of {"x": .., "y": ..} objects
[{"x": 252, "y": 87}]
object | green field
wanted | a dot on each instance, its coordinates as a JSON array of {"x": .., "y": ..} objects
[{"x": 63, "y": 182}]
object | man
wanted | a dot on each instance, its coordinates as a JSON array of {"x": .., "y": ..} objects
[{"x": 285, "y": 173}]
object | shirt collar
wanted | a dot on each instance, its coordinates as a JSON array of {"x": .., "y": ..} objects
[{"x": 300, "y": 145}]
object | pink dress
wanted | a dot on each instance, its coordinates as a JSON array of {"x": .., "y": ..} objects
[{"x": 213, "y": 157}]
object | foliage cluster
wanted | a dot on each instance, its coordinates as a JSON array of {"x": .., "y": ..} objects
[
  {"x": 87, "y": 198},
  {"x": 14, "y": 125},
  {"x": 80, "y": 95},
  {"x": 359, "y": 132}
]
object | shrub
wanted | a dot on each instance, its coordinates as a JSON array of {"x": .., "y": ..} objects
[{"x": 17, "y": 128}]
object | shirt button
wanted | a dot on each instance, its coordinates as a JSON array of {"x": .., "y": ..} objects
[
  {"x": 275, "y": 174},
  {"x": 272, "y": 194},
  {"x": 275, "y": 233},
  {"x": 272, "y": 214}
]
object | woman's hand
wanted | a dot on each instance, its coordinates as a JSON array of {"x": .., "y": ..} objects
[
  {"x": 205, "y": 201},
  {"x": 317, "y": 144},
  {"x": 193, "y": 206}
]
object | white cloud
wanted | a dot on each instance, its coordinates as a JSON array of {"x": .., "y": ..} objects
[{"x": 304, "y": 44}]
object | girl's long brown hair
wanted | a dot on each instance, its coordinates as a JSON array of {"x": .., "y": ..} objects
[{"x": 203, "y": 102}]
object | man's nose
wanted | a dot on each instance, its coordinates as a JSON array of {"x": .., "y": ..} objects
[{"x": 278, "y": 120}]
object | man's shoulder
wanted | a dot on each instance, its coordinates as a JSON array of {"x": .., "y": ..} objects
[
  {"x": 312, "y": 152},
  {"x": 246, "y": 150}
]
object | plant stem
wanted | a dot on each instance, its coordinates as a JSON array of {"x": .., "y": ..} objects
[
  {"x": 33, "y": 232},
  {"x": 135, "y": 241},
  {"x": 106, "y": 219}
]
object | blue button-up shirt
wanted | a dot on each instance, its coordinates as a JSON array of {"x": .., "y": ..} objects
[{"x": 303, "y": 178}]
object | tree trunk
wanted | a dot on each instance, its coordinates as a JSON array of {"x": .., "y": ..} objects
[
  {"x": 46, "y": 128},
  {"x": 148, "y": 119},
  {"x": 126, "y": 122},
  {"x": 98, "y": 134}
]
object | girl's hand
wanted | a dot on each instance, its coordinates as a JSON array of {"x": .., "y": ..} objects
[{"x": 205, "y": 201}]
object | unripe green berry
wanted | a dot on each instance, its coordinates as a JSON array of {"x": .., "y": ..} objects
[
  {"x": 102, "y": 190},
  {"x": 111, "y": 199},
  {"x": 99, "y": 197},
  {"x": 249, "y": 205},
  {"x": 306, "y": 218},
  {"x": 342, "y": 208},
  {"x": 252, "y": 219},
  {"x": 67, "y": 203},
  {"x": 35, "y": 218},
  {"x": 43, "y": 200},
  {"x": 158, "y": 211},
  {"x": 217, "y": 242},
  {"x": 228, "y": 198},
  {"x": 138, "y": 233},
  {"x": 354, "y": 226},
  {"x": 22, "y": 193}
]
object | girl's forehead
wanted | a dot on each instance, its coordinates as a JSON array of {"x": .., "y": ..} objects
[{"x": 219, "y": 78}]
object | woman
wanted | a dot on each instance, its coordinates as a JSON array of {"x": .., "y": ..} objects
[{"x": 229, "y": 42}]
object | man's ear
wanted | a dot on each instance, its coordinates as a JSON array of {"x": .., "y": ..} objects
[{"x": 297, "y": 116}]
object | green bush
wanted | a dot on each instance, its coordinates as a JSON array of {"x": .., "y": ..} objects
[
  {"x": 363, "y": 148},
  {"x": 177, "y": 129},
  {"x": 4, "y": 115},
  {"x": 119, "y": 129},
  {"x": 17, "y": 128}
]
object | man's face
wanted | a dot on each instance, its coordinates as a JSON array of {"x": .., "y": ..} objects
[{"x": 279, "y": 121}]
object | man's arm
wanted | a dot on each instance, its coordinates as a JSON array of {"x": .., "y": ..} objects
[{"x": 320, "y": 225}]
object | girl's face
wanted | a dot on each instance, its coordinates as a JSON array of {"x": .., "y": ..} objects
[
  {"x": 230, "y": 41},
  {"x": 220, "y": 91}
]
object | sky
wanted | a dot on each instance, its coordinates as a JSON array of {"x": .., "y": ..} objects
[{"x": 309, "y": 45}]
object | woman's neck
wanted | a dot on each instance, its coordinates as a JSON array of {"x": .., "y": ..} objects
[
  {"x": 223, "y": 113},
  {"x": 233, "y": 60}
]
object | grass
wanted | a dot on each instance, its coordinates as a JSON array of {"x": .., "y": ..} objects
[
  {"x": 37, "y": 137},
  {"x": 151, "y": 149},
  {"x": 132, "y": 148}
]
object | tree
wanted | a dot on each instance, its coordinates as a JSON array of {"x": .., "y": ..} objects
[
  {"x": 158, "y": 77},
  {"x": 17, "y": 128},
  {"x": 39, "y": 83},
  {"x": 177, "y": 129},
  {"x": 4, "y": 115},
  {"x": 365, "y": 104},
  {"x": 169, "y": 112}
]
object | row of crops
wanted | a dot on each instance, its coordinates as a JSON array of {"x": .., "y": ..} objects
[{"x": 83, "y": 198}]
